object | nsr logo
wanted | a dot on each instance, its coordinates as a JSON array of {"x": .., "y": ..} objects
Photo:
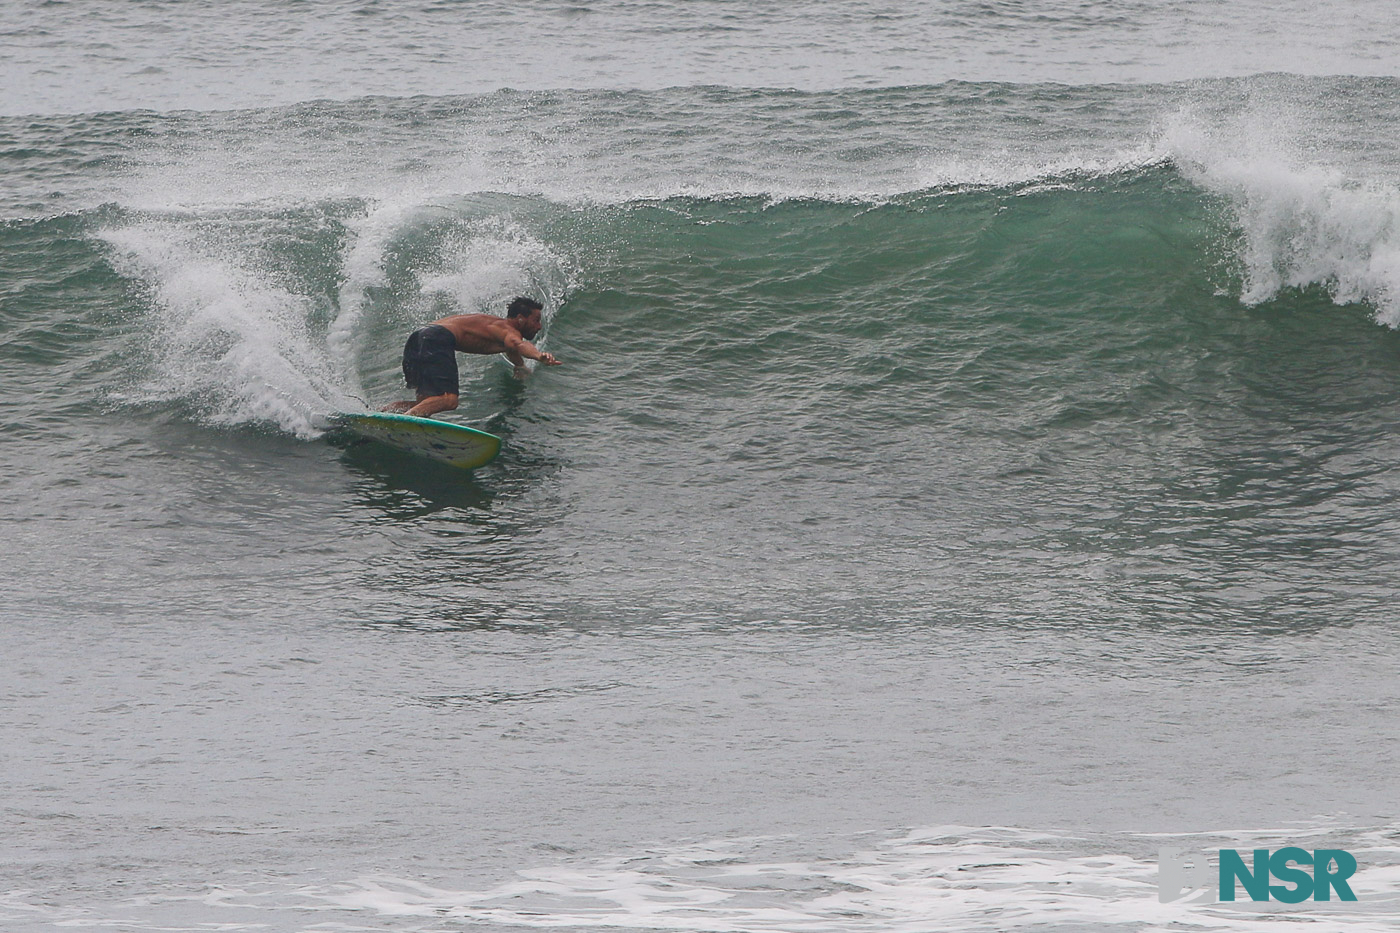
[{"x": 1181, "y": 871}]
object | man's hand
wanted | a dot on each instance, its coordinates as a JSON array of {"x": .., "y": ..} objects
[{"x": 548, "y": 359}]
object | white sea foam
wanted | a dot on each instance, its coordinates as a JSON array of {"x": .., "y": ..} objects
[
  {"x": 488, "y": 263},
  {"x": 1012, "y": 169},
  {"x": 947, "y": 878},
  {"x": 363, "y": 267},
  {"x": 229, "y": 340},
  {"x": 944, "y": 878},
  {"x": 224, "y": 337},
  {"x": 581, "y": 148},
  {"x": 1302, "y": 224}
]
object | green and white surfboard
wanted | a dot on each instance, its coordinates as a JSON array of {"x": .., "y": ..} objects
[{"x": 454, "y": 444}]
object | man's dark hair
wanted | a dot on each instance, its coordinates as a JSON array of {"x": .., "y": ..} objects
[{"x": 523, "y": 306}]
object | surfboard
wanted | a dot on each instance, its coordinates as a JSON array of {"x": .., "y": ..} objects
[{"x": 455, "y": 444}]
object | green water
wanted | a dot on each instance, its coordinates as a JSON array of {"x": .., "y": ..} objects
[
  {"x": 919, "y": 458},
  {"x": 1036, "y": 403}
]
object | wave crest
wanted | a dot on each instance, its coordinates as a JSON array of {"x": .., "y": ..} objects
[{"x": 1301, "y": 225}]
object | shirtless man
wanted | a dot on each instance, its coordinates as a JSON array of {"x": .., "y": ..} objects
[{"x": 430, "y": 356}]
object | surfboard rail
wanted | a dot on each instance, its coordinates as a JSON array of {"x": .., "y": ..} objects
[{"x": 453, "y": 444}]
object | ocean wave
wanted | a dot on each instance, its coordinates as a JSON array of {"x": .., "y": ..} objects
[
  {"x": 275, "y": 258},
  {"x": 241, "y": 338},
  {"x": 224, "y": 336},
  {"x": 1301, "y": 224}
]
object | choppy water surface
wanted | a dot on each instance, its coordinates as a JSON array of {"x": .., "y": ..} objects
[{"x": 968, "y": 474}]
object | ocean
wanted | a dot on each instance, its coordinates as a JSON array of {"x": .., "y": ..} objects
[{"x": 971, "y": 470}]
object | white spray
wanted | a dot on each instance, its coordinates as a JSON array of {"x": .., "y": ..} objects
[
  {"x": 224, "y": 337},
  {"x": 1302, "y": 225}
]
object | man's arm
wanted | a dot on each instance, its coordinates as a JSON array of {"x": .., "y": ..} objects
[{"x": 518, "y": 350}]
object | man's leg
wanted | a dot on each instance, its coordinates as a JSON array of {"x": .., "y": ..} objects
[
  {"x": 430, "y": 369},
  {"x": 433, "y": 404},
  {"x": 412, "y": 349}
]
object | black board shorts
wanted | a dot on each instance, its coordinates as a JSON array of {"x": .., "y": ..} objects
[{"x": 430, "y": 361}]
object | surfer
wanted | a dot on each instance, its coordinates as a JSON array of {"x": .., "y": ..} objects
[{"x": 430, "y": 355}]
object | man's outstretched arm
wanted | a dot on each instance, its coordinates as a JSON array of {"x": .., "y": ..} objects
[{"x": 518, "y": 350}]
